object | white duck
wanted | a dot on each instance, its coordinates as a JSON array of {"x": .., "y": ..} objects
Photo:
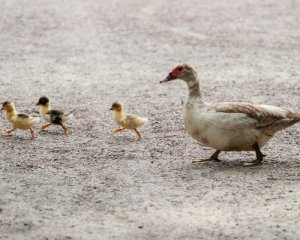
[
  {"x": 125, "y": 120},
  {"x": 229, "y": 126},
  {"x": 18, "y": 121}
]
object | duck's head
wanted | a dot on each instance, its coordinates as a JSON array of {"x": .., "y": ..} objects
[
  {"x": 116, "y": 106},
  {"x": 43, "y": 101},
  {"x": 183, "y": 72},
  {"x": 8, "y": 106}
]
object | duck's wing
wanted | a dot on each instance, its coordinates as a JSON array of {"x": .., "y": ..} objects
[
  {"x": 132, "y": 117},
  {"x": 23, "y": 116},
  {"x": 27, "y": 118},
  {"x": 265, "y": 115},
  {"x": 58, "y": 117},
  {"x": 55, "y": 116}
]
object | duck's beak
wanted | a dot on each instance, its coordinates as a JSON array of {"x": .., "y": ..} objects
[
  {"x": 110, "y": 109},
  {"x": 38, "y": 104},
  {"x": 168, "y": 78}
]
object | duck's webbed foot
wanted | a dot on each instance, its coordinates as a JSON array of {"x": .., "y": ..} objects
[
  {"x": 8, "y": 132},
  {"x": 64, "y": 128},
  {"x": 138, "y": 133},
  {"x": 118, "y": 129},
  {"x": 213, "y": 157},
  {"x": 259, "y": 157},
  {"x": 45, "y": 126},
  {"x": 32, "y": 134}
]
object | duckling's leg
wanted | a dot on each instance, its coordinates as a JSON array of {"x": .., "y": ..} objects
[
  {"x": 118, "y": 129},
  {"x": 213, "y": 157},
  {"x": 64, "y": 128},
  {"x": 139, "y": 135},
  {"x": 32, "y": 134},
  {"x": 259, "y": 157},
  {"x": 7, "y": 132},
  {"x": 45, "y": 126}
]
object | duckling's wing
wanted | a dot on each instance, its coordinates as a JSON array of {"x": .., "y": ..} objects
[
  {"x": 59, "y": 117},
  {"x": 265, "y": 115},
  {"x": 24, "y": 118},
  {"x": 136, "y": 120},
  {"x": 55, "y": 116},
  {"x": 134, "y": 117}
]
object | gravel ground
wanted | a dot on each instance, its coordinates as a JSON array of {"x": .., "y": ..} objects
[{"x": 92, "y": 184}]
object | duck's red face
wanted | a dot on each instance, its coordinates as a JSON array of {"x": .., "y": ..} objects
[{"x": 174, "y": 74}]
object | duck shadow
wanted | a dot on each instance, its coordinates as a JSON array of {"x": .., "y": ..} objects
[
  {"x": 53, "y": 133},
  {"x": 237, "y": 165},
  {"x": 120, "y": 140},
  {"x": 18, "y": 138}
]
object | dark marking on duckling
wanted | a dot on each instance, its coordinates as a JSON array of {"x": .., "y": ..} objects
[
  {"x": 55, "y": 116},
  {"x": 116, "y": 106},
  {"x": 4, "y": 104},
  {"x": 24, "y": 116},
  {"x": 43, "y": 101}
]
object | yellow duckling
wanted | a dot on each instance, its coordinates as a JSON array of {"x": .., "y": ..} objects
[
  {"x": 18, "y": 121},
  {"x": 126, "y": 121},
  {"x": 52, "y": 116}
]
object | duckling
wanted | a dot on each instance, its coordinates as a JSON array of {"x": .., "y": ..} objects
[
  {"x": 229, "y": 126},
  {"x": 126, "y": 121},
  {"x": 52, "y": 116},
  {"x": 19, "y": 121}
]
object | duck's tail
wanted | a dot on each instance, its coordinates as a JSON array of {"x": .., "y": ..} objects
[
  {"x": 144, "y": 121},
  {"x": 34, "y": 120},
  {"x": 292, "y": 119},
  {"x": 67, "y": 117},
  {"x": 297, "y": 116}
]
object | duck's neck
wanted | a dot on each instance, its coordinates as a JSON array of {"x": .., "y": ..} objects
[
  {"x": 118, "y": 114},
  {"x": 44, "y": 109},
  {"x": 11, "y": 114},
  {"x": 193, "y": 86}
]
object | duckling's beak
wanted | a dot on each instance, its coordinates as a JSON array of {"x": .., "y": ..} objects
[
  {"x": 110, "y": 109},
  {"x": 38, "y": 104},
  {"x": 168, "y": 78}
]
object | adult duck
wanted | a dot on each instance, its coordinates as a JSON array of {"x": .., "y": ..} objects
[{"x": 229, "y": 126}]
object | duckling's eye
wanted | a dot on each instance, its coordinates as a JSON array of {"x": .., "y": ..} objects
[{"x": 179, "y": 69}]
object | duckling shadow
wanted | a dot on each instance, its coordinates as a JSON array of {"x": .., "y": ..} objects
[
  {"x": 53, "y": 133},
  {"x": 18, "y": 138},
  {"x": 121, "y": 140}
]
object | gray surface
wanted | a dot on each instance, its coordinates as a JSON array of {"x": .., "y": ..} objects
[{"x": 93, "y": 184}]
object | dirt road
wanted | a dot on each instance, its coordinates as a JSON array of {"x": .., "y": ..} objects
[{"x": 92, "y": 184}]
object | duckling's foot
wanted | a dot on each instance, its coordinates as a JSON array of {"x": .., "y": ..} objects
[
  {"x": 259, "y": 157},
  {"x": 64, "y": 128},
  {"x": 32, "y": 134},
  {"x": 118, "y": 129},
  {"x": 45, "y": 126},
  {"x": 8, "y": 132},
  {"x": 213, "y": 157},
  {"x": 139, "y": 135}
]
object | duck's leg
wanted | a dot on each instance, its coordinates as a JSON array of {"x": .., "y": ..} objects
[
  {"x": 118, "y": 129},
  {"x": 45, "y": 126},
  {"x": 32, "y": 134},
  {"x": 213, "y": 157},
  {"x": 7, "y": 132},
  {"x": 259, "y": 157},
  {"x": 139, "y": 135},
  {"x": 64, "y": 128}
]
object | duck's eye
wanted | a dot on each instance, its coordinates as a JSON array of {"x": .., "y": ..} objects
[{"x": 180, "y": 69}]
